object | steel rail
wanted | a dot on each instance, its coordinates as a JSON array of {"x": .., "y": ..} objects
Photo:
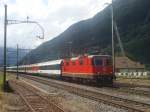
[
  {"x": 122, "y": 84},
  {"x": 98, "y": 96},
  {"x": 21, "y": 89},
  {"x": 33, "y": 89}
]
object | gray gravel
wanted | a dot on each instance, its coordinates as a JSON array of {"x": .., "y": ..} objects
[
  {"x": 71, "y": 102},
  {"x": 141, "y": 88},
  {"x": 108, "y": 91},
  {"x": 12, "y": 102}
]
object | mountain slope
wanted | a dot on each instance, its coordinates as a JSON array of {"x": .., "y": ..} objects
[
  {"x": 12, "y": 55},
  {"x": 94, "y": 35}
]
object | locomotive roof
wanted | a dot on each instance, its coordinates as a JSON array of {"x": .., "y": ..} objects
[
  {"x": 90, "y": 56},
  {"x": 99, "y": 55}
]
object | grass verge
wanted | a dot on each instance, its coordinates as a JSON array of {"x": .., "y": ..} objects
[
  {"x": 7, "y": 89},
  {"x": 1, "y": 81}
]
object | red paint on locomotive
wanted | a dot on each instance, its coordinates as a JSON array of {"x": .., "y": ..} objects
[{"x": 89, "y": 67}]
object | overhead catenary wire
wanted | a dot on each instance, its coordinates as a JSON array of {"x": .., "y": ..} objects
[{"x": 120, "y": 44}]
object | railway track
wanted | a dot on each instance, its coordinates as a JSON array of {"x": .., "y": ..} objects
[
  {"x": 123, "y": 87},
  {"x": 32, "y": 98},
  {"x": 130, "y": 105},
  {"x": 143, "y": 90},
  {"x": 121, "y": 84},
  {"x": 134, "y": 91}
]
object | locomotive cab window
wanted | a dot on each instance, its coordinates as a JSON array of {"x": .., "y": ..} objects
[{"x": 97, "y": 61}]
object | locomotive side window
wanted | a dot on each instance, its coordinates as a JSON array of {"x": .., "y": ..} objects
[
  {"x": 73, "y": 62},
  {"x": 67, "y": 63},
  {"x": 80, "y": 61}
]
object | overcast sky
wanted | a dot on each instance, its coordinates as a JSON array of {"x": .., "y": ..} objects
[{"x": 54, "y": 15}]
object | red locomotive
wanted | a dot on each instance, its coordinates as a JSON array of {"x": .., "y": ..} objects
[{"x": 97, "y": 68}]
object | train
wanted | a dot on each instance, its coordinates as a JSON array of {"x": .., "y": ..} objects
[{"x": 94, "y": 68}]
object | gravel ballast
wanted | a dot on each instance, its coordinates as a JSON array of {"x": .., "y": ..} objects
[{"x": 71, "y": 102}]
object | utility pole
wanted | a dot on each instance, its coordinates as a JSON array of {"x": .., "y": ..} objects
[
  {"x": 113, "y": 48},
  {"x": 8, "y": 22},
  {"x": 5, "y": 39},
  {"x": 17, "y": 62}
]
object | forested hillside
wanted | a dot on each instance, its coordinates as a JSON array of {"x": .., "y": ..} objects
[{"x": 93, "y": 36}]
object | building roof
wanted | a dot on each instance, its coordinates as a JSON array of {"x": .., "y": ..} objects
[{"x": 125, "y": 62}]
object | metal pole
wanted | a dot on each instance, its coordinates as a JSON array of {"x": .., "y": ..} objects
[
  {"x": 113, "y": 49},
  {"x": 5, "y": 42},
  {"x": 17, "y": 62}
]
